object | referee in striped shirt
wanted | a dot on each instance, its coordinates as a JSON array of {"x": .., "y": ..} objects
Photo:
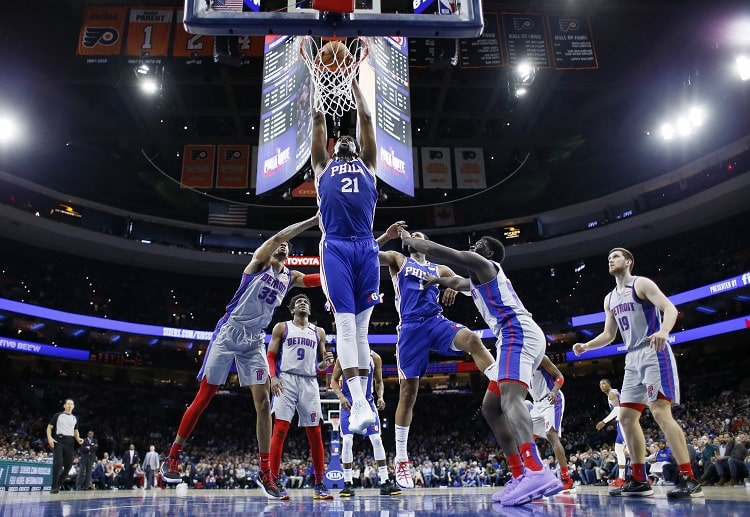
[{"x": 62, "y": 430}]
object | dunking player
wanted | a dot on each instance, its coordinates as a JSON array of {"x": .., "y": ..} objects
[
  {"x": 239, "y": 338},
  {"x": 613, "y": 398},
  {"x": 374, "y": 385},
  {"x": 547, "y": 412},
  {"x": 350, "y": 275},
  {"x": 422, "y": 328},
  {"x": 520, "y": 345},
  {"x": 644, "y": 316},
  {"x": 296, "y": 353}
]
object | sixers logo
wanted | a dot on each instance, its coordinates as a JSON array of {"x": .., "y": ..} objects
[{"x": 94, "y": 36}]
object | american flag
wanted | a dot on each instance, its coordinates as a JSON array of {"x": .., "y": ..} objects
[
  {"x": 227, "y": 214},
  {"x": 226, "y": 5}
]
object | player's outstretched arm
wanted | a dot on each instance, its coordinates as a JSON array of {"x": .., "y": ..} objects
[
  {"x": 263, "y": 254},
  {"x": 483, "y": 268},
  {"x": 319, "y": 146},
  {"x": 368, "y": 152},
  {"x": 606, "y": 337},
  {"x": 393, "y": 232}
]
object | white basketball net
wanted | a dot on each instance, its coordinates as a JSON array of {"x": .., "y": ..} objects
[{"x": 333, "y": 81}]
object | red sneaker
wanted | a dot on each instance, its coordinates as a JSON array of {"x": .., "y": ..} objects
[
  {"x": 568, "y": 485},
  {"x": 618, "y": 482}
]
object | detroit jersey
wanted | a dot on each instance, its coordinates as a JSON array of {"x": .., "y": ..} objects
[
  {"x": 609, "y": 402},
  {"x": 499, "y": 305},
  {"x": 635, "y": 318},
  {"x": 414, "y": 300},
  {"x": 541, "y": 384},
  {"x": 258, "y": 296},
  {"x": 299, "y": 350},
  {"x": 347, "y": 194}
]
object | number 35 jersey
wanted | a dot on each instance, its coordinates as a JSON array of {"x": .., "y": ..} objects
[
  {"x": 258, "y": 296},
  {"x": 635, "y": 318},
  {"x": 347, "y": 194}
]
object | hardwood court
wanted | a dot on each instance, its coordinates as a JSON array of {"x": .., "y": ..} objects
[{"x": 587, "y": 501}]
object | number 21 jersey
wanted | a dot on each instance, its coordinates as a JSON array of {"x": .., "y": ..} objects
[{"x": 347, "y": 194}]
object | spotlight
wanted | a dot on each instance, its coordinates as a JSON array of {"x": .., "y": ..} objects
[
  {"x": 149, "y": 80},
  {"x": 743, "y": 66}
]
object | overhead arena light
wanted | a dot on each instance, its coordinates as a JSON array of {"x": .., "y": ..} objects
[
  {"x": 743, "y": 67},
  {"x": 683, "y": 125}
]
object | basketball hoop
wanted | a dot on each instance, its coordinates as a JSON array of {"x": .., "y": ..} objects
[
  {"x": 335, "y": 423},
  {"x": 333, "y": 79}
]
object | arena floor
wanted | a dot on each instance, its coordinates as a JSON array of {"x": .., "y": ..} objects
[{"x": 587, "y": 501}]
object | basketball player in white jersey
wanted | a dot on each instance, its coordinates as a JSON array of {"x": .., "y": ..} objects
[
  {"x": 422, "y": 329},
  {"x": 613, "y": 399},
  {"x": 296, "y": 353},
  {"x": 374, "y": 386},
  {"x": 347, "y": 193},
  {"x": 548, "y": 410},
  {"x": 239, "y": 338},
  {"x": 520, "y": 344},
  {"x": 644, "y": 317}
]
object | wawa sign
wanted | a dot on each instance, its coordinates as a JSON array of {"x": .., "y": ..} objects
[{"x": 307, "y": 189}]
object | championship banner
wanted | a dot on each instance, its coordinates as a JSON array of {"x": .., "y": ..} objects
[
  {"x": 198, "y": 166},
  {"x": 190, "y": 45},
  {"x": 572, "y": 42},
  {"x": 470, "y": 172},
  {"x": 525, "y": 39},
  {"x": 232, "y": 166},
  {"x": 102, "y": 32},
  {"x": 436, "y": 167},
  {"x": 149, "y": 31}
]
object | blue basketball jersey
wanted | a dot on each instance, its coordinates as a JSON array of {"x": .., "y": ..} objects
[
  {"x": 347, "y": 194},
  {"x": 413, "y": 299}
]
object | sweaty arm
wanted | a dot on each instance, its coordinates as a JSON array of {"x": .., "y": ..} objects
[
  {"x": 263, "y": 254},
  {"x": 607, "y": 335},
  {"x": 319, "y": 146},
  {"x": 477, "y": 264},
  {"x": 302, "y": 280},
  {"x": 368, "y": 151}
]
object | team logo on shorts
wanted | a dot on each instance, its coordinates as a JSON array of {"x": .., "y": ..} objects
[{"x": 650, "y": 391}]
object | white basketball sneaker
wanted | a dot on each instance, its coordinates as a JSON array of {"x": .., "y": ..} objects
[
  {"x": 361, "y": 416},
  {"x": 403, "y": 475}
]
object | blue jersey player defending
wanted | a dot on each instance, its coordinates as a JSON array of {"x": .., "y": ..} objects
[
  {"x": 613, "y": 399},
  {"x": 520, "y": 349},
  {"x": 239, "y": 339},
  {"x": 374, "y": 387},
  {"x": 349, "y": 269},
  {"x": 644, "y": 316},
  {"x": 422, "y": 328}
]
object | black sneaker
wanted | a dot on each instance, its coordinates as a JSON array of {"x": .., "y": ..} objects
[
  {"x": 170, "y": 470},
  {"x": 389, "y": 488},
  {"x": 266, "y": 483},
  {"x": 633, "y": 489},
  {"x": 348, "y": 490},
  {"x": 686, "y": 487}
]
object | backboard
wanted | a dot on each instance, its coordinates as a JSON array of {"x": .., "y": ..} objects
[{"x": 227, "y": 18}]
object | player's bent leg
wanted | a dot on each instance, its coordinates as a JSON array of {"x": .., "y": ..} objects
[{"x": 469, "y": 342}]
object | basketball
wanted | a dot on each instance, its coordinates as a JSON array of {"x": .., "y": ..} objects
[{"x": 334, "y": 55}]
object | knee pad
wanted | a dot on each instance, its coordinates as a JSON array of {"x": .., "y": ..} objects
[
  {"x": 347, "y": 442},
  {"x": 346, "y": 340},
  {"x": 362, "y": 324}
]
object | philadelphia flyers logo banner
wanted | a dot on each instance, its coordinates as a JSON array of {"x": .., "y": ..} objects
[{"x": 102, "y": 32}]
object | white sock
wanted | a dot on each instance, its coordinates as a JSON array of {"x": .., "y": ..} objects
[
  {"x": 402, "y": 437},
  {"x": 355, "y": 388},
  {"x": 347, "y": 475},
  {"x": 383, "y": 473}
]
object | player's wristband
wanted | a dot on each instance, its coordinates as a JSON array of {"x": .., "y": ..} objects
[
  {"x": 311, "y": 280},
  {"x": 271, "y": 356}
]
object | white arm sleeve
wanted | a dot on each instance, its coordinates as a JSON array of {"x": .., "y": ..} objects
[{"x": 612, "y": 414}]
